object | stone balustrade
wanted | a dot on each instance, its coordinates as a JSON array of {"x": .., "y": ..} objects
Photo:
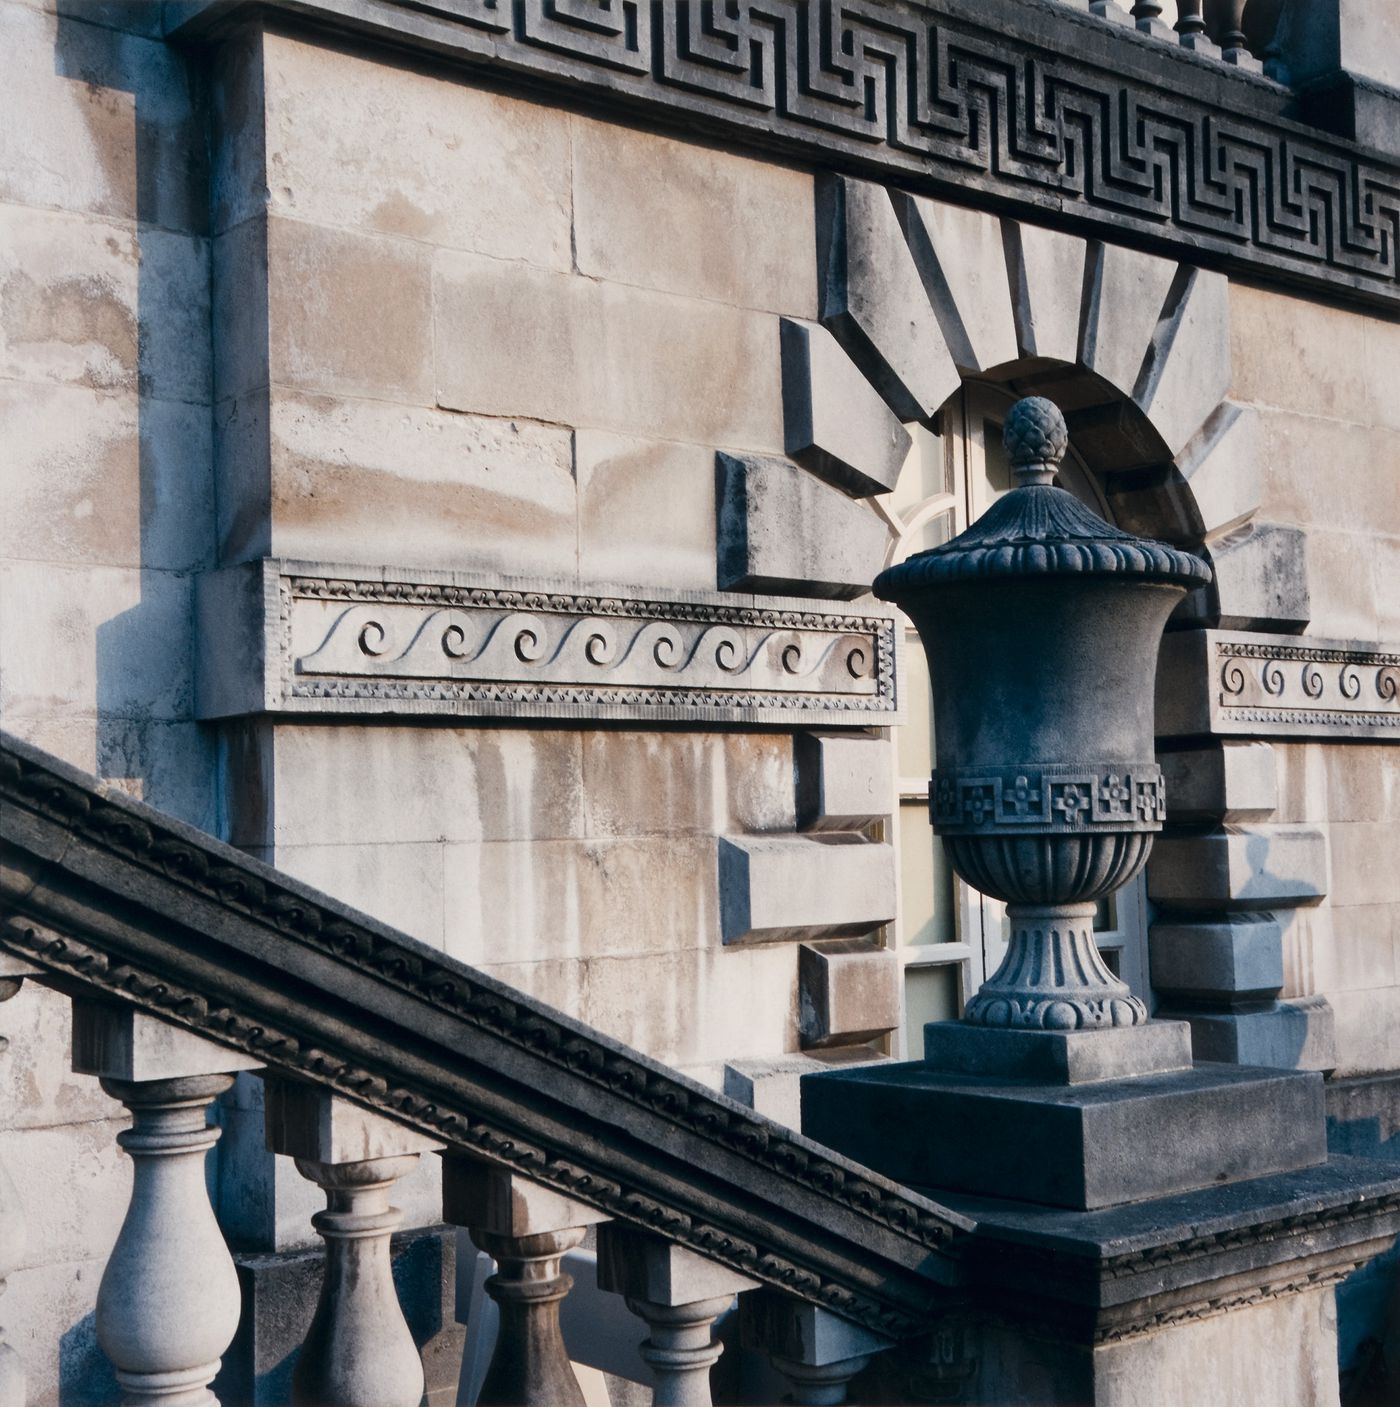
[
  {"x": 1214, "y": 31},
  {"x": 169, "y": 1302}
]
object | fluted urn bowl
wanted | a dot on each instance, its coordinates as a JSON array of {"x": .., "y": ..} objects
[{"x": 1042, "y": 624}]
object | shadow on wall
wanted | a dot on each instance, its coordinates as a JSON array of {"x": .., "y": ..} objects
[
  {"x": 148, "y": 141},
  {"x": 85, "y": 1376}
]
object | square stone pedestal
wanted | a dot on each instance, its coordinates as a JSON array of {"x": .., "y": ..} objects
[
  {"x": 1146, "y": 1230},
  {"x": 1077, "y": 1119}
]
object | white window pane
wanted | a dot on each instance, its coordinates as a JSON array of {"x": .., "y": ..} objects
[{"x": 930, "y": 994}]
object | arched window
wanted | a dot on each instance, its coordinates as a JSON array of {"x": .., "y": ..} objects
[{"x": 948, "y": 936}]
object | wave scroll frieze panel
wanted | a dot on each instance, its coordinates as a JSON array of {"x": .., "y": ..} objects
[{"x": 323, "y": 640}]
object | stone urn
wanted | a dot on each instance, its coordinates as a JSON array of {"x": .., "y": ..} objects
[{"x": 1042, "y": 624}]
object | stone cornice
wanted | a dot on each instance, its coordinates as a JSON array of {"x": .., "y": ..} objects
[
  {"x": 111, "y": 899},
  {"x": 290, "y": 637},
  {"x": 1043, "y": 111}
]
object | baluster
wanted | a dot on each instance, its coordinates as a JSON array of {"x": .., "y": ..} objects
[
  {"x": 359, "y": 1351},
  {"x": 680, "y": 1295},
  {"x": 1234, "y": 42},
  {"x": 1191, "y": 29},
  {"x": 168, "y": 1304},
  {"x": 817, "y": 1351},
  {"x": 1111, "y": 11},
  {"x": 1147, "y": 15},
  {"x": 12, "y": 1390},
  {"x": 527, "y": 1230}
]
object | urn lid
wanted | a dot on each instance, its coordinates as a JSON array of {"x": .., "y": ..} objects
[{"x": 1039, "y": 530}]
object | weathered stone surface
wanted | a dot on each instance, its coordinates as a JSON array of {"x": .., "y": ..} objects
[
  {"x": 241, "y": 310},
  {"x": 1285, "y": 354},
  {"x": 400, "y": 884},
  {"x": 279, "y": 1298},
  {"x": 349, "y": 313},
  {"x": 511, "y": 340},
  {"x": 720, "y": 226},
  {"x": 642, "y": 1266},
  {"x": 94, "y": 477},
  {"x": 1364, "y": 870},
  {"x": 117, "y": 641},
  {"x": 1077, "y": 1146},
  {"x": 787, "y": 886},
  {"x": 120, "y": 1043},
  {"x": 835, "y": 423},
  {"x": 684, "y": 783},
  {"x": 843, "y": 780},
  {"x": 1238, "y": 960},
  {"x": 781, "y": 530},
  {"x": 360, "y": 480},
  {"x": 521, "y": 901},
  {"x": 1246, "y": 868},
  {"x": 1342, "y": 599},
  {"x": 1187, "y": 370},
  {"x": 646, "y": 511},
  {"x": 1057, "y": 1057},
  {"x": 1262, "y": 579},
  {"x": 1288, "y": 1035},
  {"x": 873, "y": 299},
  {"x": 1224, "y": 782},
  {"x": 849, "y": 992},
  {"x": 414, "y": 785},
  {"x": 70, "y": 94},
  {"x": 1223, "y": 471},
  {"x": 304, "y": 1121},
  {"x": 1125, "y": 294},
  {"x": 962, "y": 262},
  {"x": 503, "y": 1203},
  {"x": 98, "y": 304},
  {"x": 366, "y": 145},
  {"x": 774, "y": 1087},
  {"x": 1046, "y": 269}
]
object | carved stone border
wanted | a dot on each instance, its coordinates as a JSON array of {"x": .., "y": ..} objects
[
  {"x": 1044, "y": 109},
  {"x": 287, "y": 637},
  {"x": 1237, "y": 684}
]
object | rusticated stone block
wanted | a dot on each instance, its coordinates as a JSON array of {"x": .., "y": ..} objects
[
  {"x": 720, "y": 226},
  {"x": 774, "y": 1087},
  {"x": 834, "y": 424},
  {"x": 849, "y": 992},
  {"x": 1262, "y": 867},
  {"x": 961, "y": 259},
  {"x": 1186, "y": 373},
  {"x": 780, "y": 529},
  {"x": 1124, "y": 295},
  {"x": 1227, "y": 961},
  {"x": 843, "y": 780},
  {"x": 873, "y": 299},
  {"x": 775, "y": 887},
  {"x": 1291, "y": 1035},
  {"x": 1261, "y": 579},
  {"x": 1224, "y": 782},
  {"x": 1046, "y": 269}
]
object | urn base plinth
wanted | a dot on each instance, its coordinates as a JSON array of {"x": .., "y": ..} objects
[
  {"x": 1057, "y": 1057},
  {"x": 1097, "y": 1144}
]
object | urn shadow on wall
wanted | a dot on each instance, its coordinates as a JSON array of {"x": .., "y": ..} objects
[{"x": 1042, "y": 624}]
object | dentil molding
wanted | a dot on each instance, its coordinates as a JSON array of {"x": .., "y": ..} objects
[{"x": 292, "y": 637}]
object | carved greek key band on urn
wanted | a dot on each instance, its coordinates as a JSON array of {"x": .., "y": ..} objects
[{"x": 1042, "y": 624}]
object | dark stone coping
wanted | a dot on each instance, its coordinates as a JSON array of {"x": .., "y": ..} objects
[
  {"x": 1025, "y": 105},
  {"x": 1125, "y": 1270},
  {"x": 114, "y": 900}
]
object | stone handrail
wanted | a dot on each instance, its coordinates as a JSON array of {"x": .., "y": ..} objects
[{"x": 143, "y": 919}]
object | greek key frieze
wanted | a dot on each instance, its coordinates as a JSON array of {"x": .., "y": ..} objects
[
  {"x": 449, "y": 644},
  {"x": 1184, "y": 152},
  {"x": 1128, "y": 797}
]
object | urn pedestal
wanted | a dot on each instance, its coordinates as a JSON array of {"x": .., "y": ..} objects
[{"x": 1123, "y": 1194}]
